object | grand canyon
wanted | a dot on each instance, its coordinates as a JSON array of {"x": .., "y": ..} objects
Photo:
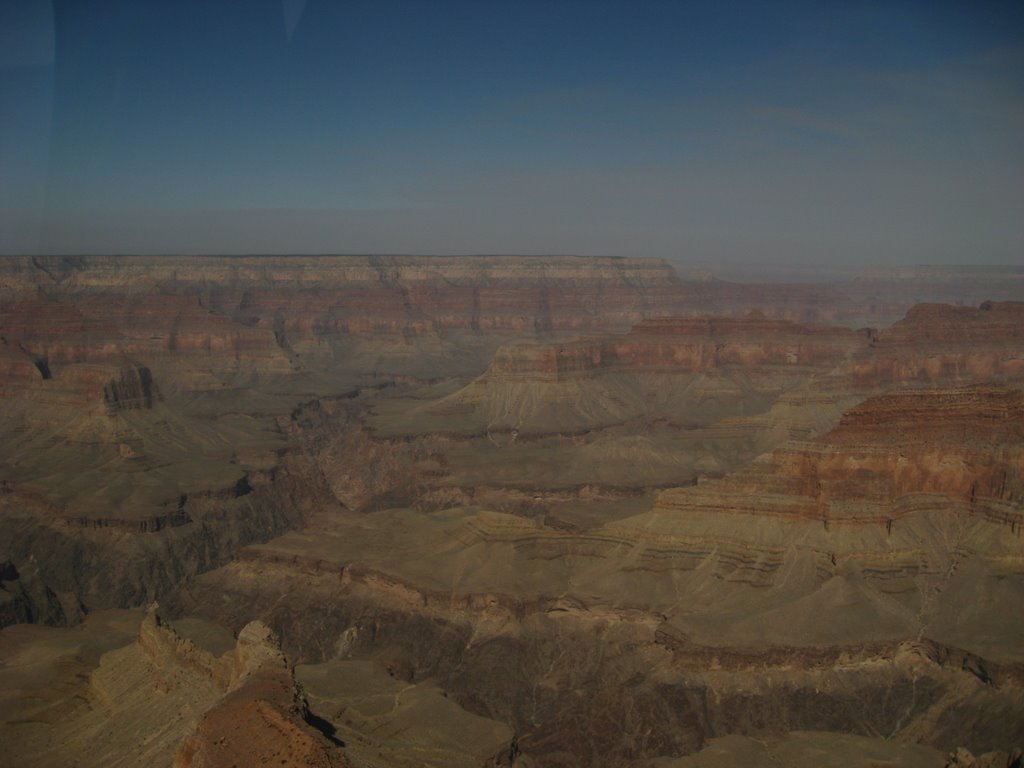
[{"x": 508, "y": 511}]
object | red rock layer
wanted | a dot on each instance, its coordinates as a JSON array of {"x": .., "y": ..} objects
[
  {"x": 262, "y": 717},
  {"x": 943, "y": 323},
  {"x": 91, "y": 308},
  {"x": 687, "y": 345},
  {"x": 941, "y": 343},
  {"x": 886, "y": 458}
]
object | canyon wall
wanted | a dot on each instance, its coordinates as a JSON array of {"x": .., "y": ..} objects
[{"x": 578, "y": 509}]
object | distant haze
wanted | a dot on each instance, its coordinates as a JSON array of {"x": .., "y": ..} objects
[{"x": 807, "y": 132}]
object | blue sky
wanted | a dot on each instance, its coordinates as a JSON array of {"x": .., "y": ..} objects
[{"x": 839, "y": 132}]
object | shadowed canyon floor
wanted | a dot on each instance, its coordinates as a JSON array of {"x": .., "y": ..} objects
[{"x": 507, "y": 511}]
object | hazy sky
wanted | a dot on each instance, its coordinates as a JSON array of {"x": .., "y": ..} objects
[{"x": 880, "y": 132}]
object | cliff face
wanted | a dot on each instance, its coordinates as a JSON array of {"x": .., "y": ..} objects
[
  {"x": 673, "y": 400},
  {"x": 74, "y": 560},
  {"x": 97, "y": 389},
  {"x": 263, "y": 717},
  {"x": 965, "y": 445},
  {"x": 826, "y": 586},
  {"x": 685, "y": 345},
  {"x": 140, "y": 393},
  {"x": 230, "y": 315},
  {"x": 267, "y": 311},
  {"x": 991, "y": 322},
  {"x": 684, "y": 370},
  {"x": 940, "y": 343},
  {"x": 152, "y": 697},
  {"x": 906, "y": 489},
  {"x": 934, "y": 343},
  {"x": 479, "y": 487}
]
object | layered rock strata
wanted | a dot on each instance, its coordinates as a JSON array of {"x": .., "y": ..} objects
[
  {"x": 824, "y": 587},
  {"x": 157, "y": 699},
  {"x": 562, "y": 540},
  {"x": 686, "y": 370},
  {"x": 939, "y": 343},
  {"x": 73, "y": 563}
]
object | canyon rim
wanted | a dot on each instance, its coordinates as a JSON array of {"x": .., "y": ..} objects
[{"x": 403, "y": 511}]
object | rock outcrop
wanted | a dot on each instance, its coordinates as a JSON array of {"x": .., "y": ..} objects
[
  {"x": 160, "y": 698},
  {"x": 679, "y": 369},
  {"x": 90, "y": 561},
  {"x": 263, "y": 718},
  {"x": 551, "y": 511},
  {"x": 942, "y": 344},
  {"x": 825, "y": 587}
]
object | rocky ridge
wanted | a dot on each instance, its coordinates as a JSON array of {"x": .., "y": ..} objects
[
  {"x": 744, "y": 524},
  {"x": 662, "y": 368},
  {"x": 830, "y": 571},
  {"x": 170, "y": 699}
]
